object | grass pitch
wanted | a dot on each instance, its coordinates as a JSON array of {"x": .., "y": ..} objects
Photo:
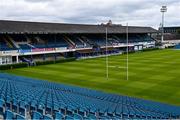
[{"x": 153, "y": 75}]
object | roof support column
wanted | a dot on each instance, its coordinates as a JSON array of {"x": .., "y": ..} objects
[{"x": 17, "y": 59}]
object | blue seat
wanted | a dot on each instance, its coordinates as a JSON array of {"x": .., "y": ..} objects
[
  {"x": 1, "y": 106},
  {"x": 8, "y": 102},
  {"x": 40, "y": 108},
  {"x": 42, "y": 97},
  {"x": 116, "y": 118},
  {"x": 33, "y": 105},
  {"x": 15, "y": 105},
  {"x": 2, "y": 102},
  {"x": 67, "y": 117},
  {"x": 104, "y": 118},
  {"x": 22, "y": 111},
  {"x": 58, "y": 116},
  {"x": 56, "y": 107},
  {"x": 91, "y": 116},
  {"x": 47, "y": 117},
  {"x": 20, "y": 117},
  {"x": 23, "y": 104},
  {"x": 37, "y": 116},
  {"x": 9, "y": 115},
  {"x": 77, "y": 116}
]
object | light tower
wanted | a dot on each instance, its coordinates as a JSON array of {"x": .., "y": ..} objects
[{"x": 163, "y": 10}]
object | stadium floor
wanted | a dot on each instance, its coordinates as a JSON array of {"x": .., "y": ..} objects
[{"x": 153, "y": 75}]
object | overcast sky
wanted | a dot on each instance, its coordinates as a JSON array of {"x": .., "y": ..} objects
[{"x": 135, "y": 12}]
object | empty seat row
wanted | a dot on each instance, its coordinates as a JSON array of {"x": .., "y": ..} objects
[{"x": 32, "y": 98}]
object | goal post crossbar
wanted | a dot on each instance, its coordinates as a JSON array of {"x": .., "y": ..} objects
[{"x": 117, "y": 67}]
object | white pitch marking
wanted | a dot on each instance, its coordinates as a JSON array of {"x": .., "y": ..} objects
[{"x": 118, "y": 67}]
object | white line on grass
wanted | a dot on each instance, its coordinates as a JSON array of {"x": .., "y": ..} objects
[{"x": 118, "y": 67}]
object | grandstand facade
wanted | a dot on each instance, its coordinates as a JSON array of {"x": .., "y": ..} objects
[
  {"x": 36, "y": 41},
  {"x": 173, "y": 30}
]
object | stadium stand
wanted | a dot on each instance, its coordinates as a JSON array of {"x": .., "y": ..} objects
[
  {"x": 26, "y": 98},
  {"x": 168, "y": 36},
  {"x": 19, "y": 40},
  {"x": 77, "y": 42},
  {"x": 53, "y": 41},
  {"x": 5, "y": 45}
]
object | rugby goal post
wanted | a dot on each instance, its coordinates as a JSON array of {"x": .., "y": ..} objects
[{"x": 127, "y": 55}]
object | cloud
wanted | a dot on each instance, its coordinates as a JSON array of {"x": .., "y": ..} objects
[
  {"x": 39, "y": 0},
  {"x": 136, "y": 12}
]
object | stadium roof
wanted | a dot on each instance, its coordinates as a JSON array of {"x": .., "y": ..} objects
[
  {"x": 176, "y": 27},
  {"x": 45, "y": 28}
]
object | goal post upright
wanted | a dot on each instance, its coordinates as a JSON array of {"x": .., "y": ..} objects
[
  {"x": 107, "y": 66},
  {"x": 127, "y": 52}
]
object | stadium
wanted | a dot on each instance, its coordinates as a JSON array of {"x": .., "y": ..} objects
[
  {"x": 59, "y": 71},
  {"x": 30, "y": 41}
]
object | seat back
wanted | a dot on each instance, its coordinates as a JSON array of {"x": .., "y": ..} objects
[
  {"x": 1, "y": 106},
  {"x": 20, "y": 117},
  {"x": 69, "y": 117},
  {"x": 36, "y": 116},
  {"x": 22, "y": 111},
  {"x": 77, "y": 116},
  {"x": 1, "y": 103},
  {"x": 9, "y": 115},
  {"x": 58, "y": 116},
  {"x": 47, "y": 117}
]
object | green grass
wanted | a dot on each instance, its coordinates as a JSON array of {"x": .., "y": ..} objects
[{"x": 153, "y": 75}]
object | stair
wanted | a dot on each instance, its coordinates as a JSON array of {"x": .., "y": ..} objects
[
  {"x": 11, "y": 42},
  {"x": 88, "y": 41},
  {"x": 117, "y": 38},
  {"x": 30, "y": 45},
  {"x": 8, "y": 43},
  {"x": 39, "y": 40},
  {"x": 81, "y": 41},
  {"x": 72, "y": 44},
  {"x": 69, "y": 40}
]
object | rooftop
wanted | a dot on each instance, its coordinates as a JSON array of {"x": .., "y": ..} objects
[{"x": 12, "y": 27}]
